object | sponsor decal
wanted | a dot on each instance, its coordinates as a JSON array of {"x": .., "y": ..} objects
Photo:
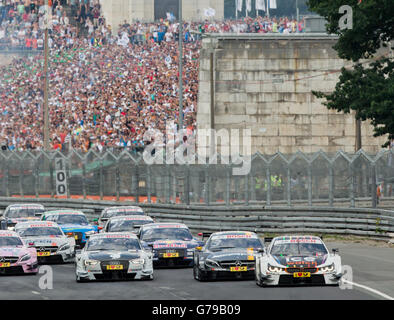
[
  {"x": 26, "y": 208},
  {"x": 6, "y": 235},
  {"x": 235, "y": 236},
  {"x": 119, "y": 236},
  {"x": 287, "y": 241},
  {"x": 169, "y": 245},
  {"x": 132, "y": 218}
]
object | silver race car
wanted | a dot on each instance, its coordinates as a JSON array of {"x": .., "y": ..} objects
[
  {"x": 292, "y": 260},
  {"x": 126, "y": 223},
  {"x": 110, "y": 212},
  {"x": 113, "y": 256},
  {"x": 47, "y": 237}
]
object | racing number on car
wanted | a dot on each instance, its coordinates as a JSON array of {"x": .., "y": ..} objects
[{"x": 61, "y": 178}]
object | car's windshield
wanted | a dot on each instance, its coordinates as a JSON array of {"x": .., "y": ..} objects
[
  {"x": 118, "y": 244},
  {"x": 15, "y": 213},
  {"x": 40, "y": 232},
  {"x": 296, "y": 248},
  {"x": 72, "y": 219},
  {"x": 217, "y": 243},
  {"x": 154, "y": 234},
  {"x": 120, "y": 226},
  {"x": 10, "y": 242},
  {"x": 121, "y": 212}
]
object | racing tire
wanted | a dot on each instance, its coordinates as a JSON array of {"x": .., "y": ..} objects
[
  {"x": 198, "y": 274},
  {"x": 80, "y": 280},
  {"x": 259, "y": 282}
]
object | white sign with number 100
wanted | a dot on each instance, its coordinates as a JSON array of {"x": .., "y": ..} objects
[{"x": 61, "y": 178}]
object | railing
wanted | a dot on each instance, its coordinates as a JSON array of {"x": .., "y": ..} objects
[
  {"x": 372, "y": 223},
  {"x": 318, "y": 179}
]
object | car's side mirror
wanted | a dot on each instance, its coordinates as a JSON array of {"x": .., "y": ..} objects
[
  {"x": 335, "y": 250},
  {"x": 261, "y": 250}
]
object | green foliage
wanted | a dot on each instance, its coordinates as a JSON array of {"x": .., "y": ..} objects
[{"x": 368, "y": 89}]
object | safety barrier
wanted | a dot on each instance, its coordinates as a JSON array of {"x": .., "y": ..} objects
[{"x": 374, "y": 223}]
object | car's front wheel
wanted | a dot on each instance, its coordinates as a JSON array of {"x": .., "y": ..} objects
[
  {"x": 198, "y": 274},
  {"x": 259, "y": 282}
]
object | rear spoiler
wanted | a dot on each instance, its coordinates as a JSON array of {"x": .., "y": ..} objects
[
  {"x": 268, "y": 239},
  {"x": 205, "y": 235}
]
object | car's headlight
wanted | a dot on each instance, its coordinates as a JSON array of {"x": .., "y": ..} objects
[
  {"x": 26, "y": 257},
  {"x": 138, "y": 261},
  {"x": 90, "y": 263},
  {"x": 64, "y": 247},
  {"x": 275, "y": 269},
  {"x": 11, "y": 228},
  {"x": 212, "y": 264},
  {"x": 88, "y": 233},
  {"x": 329, "y": 268}
]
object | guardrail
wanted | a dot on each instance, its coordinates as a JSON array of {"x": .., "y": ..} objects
[{"x": 374, "y": 223}]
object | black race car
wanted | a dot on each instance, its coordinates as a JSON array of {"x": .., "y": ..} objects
[
  {"x": 227, "y": 255},
  {"x": 172, "y": 243}
]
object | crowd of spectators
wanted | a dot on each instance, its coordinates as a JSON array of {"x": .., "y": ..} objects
[{"x": 106, "y": 89}]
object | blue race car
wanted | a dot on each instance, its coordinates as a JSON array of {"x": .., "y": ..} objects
[
  {"x": 73, "y": 223},
  {"x": 172, "y": 243}
]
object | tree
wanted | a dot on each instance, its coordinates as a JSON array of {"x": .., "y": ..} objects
[{"x": 367, "y": 89}]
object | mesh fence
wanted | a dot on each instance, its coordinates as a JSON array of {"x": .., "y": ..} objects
[{"x": 298, "y": 179}]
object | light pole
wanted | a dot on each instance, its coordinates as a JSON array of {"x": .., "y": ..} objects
[
  {"x": 46, "y": 85},
  {"x": 180, "y": 66}
]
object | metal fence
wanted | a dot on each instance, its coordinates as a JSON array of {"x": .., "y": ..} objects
[{"x": 318, "y": 179}]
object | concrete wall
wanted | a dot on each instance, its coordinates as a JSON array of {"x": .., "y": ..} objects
[
  {"x": 116, "y": 11},
  {"x": 255, "y": 88}
]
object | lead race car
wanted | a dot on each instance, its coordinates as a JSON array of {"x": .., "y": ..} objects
[
  {"x": 227, "y": 255},
  {"x": 291, "y": 260},
  {"x": 47, "y": 237},
  {"x": 15, "y": 256},
  {"x": 172, "y": 243},
  {"x": 113, "y": 256},
  {"x": 16, "y": 213}
]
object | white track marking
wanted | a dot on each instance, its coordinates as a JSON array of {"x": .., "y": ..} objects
[{"x": 369, "y": 289}]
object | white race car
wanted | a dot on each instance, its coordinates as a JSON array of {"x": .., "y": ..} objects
[
  {"x": 47, "y": 237},
  {"x": 113, "y": 256},
  {"x": 295, "y": 260}
]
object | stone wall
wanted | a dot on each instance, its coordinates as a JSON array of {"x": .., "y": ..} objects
[
  {"x": 116, "y": 11},
  {"x": 264, "y": 82}
]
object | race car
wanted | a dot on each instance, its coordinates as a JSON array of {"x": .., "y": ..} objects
[
  {"x": 227, "y": 255},
  {"x": 73, "y": 223},
  {"x": 118, "y": 211},
  {"x": 15, "y": 256},
  {"x": 15, "y": 213},
  {"x": 292, "y": 260},
  {"x": 172, "y": 243},
  {"x": 113, "y": 256},
  {"x": 126, "y": 223},
  {"x": 52, "y": 245}
]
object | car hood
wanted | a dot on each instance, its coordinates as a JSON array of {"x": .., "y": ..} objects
[
  {"x": 13, "y": 251},
  {"x": 113, "y": 255},
  {"x": 173, "y": 244},
  {"x": 46, "y": 241},
  {"x": 300, "y": 261},
  {"x": 231, "y": 254}
]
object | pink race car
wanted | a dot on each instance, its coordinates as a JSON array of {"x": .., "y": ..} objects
[{"x": 15, "y": 256}]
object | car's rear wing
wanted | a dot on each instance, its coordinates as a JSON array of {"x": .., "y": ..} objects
[
  {"x": 205, "y": 235},
  {"x": 268, "y": 239}
]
